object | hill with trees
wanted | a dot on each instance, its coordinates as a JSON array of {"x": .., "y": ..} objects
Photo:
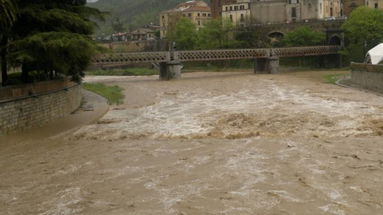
[{"x": 130, "y": 14}]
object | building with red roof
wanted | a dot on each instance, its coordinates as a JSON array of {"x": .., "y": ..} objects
[{"x": 197, "y": 11}]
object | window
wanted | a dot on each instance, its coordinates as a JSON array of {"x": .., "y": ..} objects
[
  {"x": 376, "y": 5},
  {"x": 331, "y": 12},
  {"x": 231, "y": 7},
  {"x": 235, "y": 7},
  {"x": 204, "y": 14},
  {"x": 189, "y": 14},
  {"x": 227, "y": 8},
  {"x": 293, "y": 13},
  {"x": 198, "y": 14},
  {"x": 242, "y": 7},
  {"x": 209, "y": 14},
  {"x": 231, "y": 17},
  {"x": 242, "y": 18}
]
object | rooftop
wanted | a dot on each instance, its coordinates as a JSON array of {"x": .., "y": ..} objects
[{"x": 191, "y": 6}]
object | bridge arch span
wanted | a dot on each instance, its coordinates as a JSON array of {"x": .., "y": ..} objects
[
  {"x": 276, "y": 34},
  {"x": 335, "y": 40}
]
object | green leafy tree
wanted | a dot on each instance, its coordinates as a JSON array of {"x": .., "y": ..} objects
[
  {"x": 363, "y": 30},
  {"x": 8, "y": 15},
  {"x": 250, "y": 39},
  {"x": 185, "y": 34},
  {"x": 304, "y": 36},
  {"x": 217, "y": 34},
  {"x": 53, "y": 35},
  {"x": 117, "y": 25}
]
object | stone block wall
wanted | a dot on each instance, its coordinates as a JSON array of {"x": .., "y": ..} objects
[
  {"x": 36, "y": 110},
  {"x": 367, "y": 76}
]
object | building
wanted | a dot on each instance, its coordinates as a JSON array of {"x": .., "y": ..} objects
[
  {"x": 216, "y": 7},
  {"x": 275, "y": 11},
  {"x": 143, "y": 34},
  {"x": 377, "y": 4},
  {"x": 350, "y": 5},
  {"x": 238, "y": 13},
  {"x": 287, "y": 11},
  {"x": 197, "y": 11}
]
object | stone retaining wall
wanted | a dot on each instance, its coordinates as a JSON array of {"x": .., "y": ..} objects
[
  {"x": 367, "y": 76},
  {"x": 36, "y": 110}
]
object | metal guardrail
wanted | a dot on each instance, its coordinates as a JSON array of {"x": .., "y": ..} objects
[{"x": 119, "y": 59}]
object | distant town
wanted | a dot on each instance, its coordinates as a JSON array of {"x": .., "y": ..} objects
[{"x": 243, "y": 14}]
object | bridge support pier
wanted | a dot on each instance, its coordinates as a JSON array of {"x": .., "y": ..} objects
[
  {"x": 170, "y": 70},
  {"x": 266, "y": 65}
]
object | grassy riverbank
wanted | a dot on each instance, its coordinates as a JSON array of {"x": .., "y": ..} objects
[{"x": 114, "y": 94}]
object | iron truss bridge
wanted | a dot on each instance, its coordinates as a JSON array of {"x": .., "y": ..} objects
[{"x": 120, "y": 59}]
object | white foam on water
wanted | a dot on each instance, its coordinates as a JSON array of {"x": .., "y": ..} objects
[
  {"x": 189, "y": 115},
  {"x": 332, "y": 209},
  {"x": 65, "y": 203},
  {"x": 286, "y": 195}
]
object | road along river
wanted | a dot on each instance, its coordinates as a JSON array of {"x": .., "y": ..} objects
[{"x": 211, "y": 143}]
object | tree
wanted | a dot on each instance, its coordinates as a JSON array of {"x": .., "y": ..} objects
[
  {"x": 216, "y": 34},
  {"x": 184, "y": 34},
  {"x": 363, "y": 30},
  {"x": 53, "y": 35},
  {"x": 117, "y": 25},
  {"x": 304, "y": 36},
  {"x": 8, "y": 14},
  {"x": 250, "y": 39}
]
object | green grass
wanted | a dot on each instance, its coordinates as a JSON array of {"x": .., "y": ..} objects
[
  {"x": 332, "y": 78},
  {"x": 113, "y": 94},
  {"x": 123, "y": 72}
]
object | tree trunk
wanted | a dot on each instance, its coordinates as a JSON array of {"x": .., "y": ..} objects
[
  {"x": 3, "y": 59},
  {"x": 24, "y": 73}
]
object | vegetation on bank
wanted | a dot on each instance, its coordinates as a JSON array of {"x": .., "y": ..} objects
[
  {"x": 363, "y": 30},
  {"x": 123, "y": 72},
  {"x": 51, "y": 37},
  {"x": 332, "y": 78},
  {"x": 114, "y": 94}
]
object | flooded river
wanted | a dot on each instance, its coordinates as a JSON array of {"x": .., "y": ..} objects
[{"x": 211, "y": 143}]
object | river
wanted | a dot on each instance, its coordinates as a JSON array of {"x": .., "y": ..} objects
[{"x": 210, "y": 143}]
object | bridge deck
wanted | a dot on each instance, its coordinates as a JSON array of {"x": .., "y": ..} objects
[{"x": 119, "y": 59}]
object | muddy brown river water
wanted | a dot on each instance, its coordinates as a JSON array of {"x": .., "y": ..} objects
[{"x": 211, "y": 143}]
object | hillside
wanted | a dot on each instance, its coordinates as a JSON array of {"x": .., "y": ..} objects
[{"x": 132, "y": 13}]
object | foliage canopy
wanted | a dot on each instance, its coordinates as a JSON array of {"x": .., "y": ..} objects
[
  {"x": 304, "y": 36},
  {"x": 51, "y": 36},
  {"x": 363, "y": 30},
  {"x": 185, "y": 34}
]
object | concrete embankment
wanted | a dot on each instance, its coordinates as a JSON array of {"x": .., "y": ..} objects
[
  {"x": 367, "y": 76},
  {"x": 37, "y": 104},
  {"x": 54, "y": 106}
]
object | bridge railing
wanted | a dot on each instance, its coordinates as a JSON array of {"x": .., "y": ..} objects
[
  {"x": 116, "y": 59},
  {"x": 223, "y": 54},
  {"x": 131, "y": 58},
  {"x": 305, "y": 51}
]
